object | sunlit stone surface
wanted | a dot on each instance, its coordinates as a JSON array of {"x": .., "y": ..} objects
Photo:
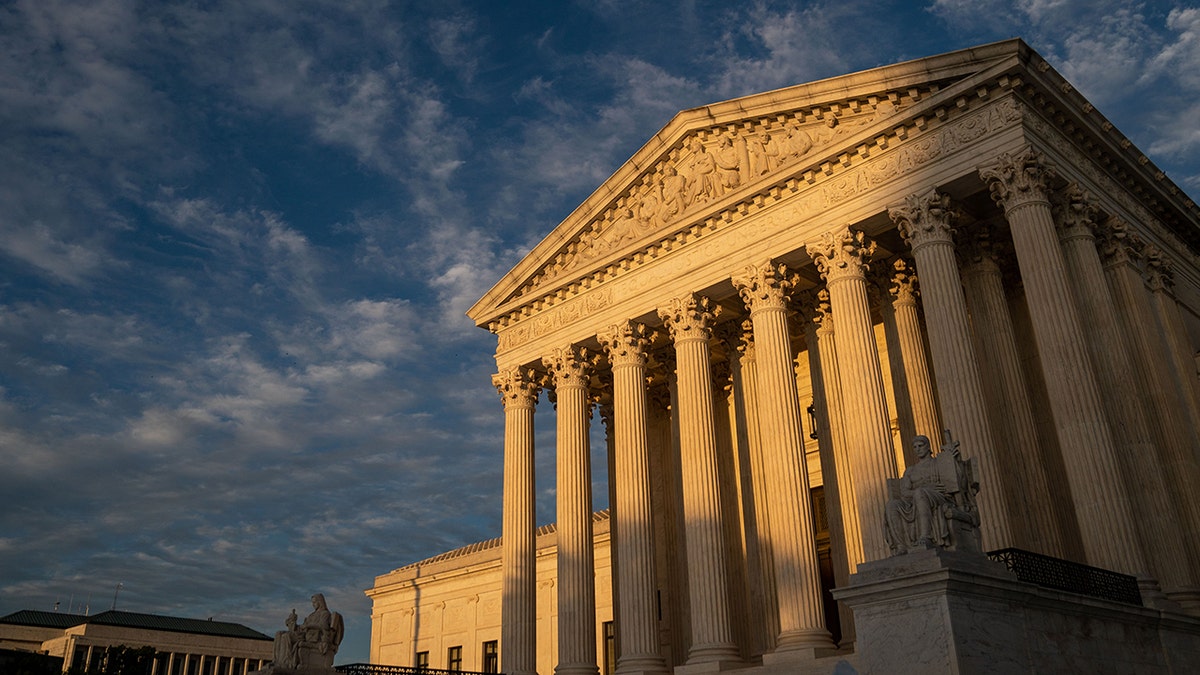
[{"x": 686, "y": 287}]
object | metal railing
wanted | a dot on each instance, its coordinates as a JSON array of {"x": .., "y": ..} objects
[
  {"x": 1064, "y": 575},
  {"x": 376, "y": 669}
]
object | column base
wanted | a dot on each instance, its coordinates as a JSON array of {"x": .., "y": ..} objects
[
  {"x": 576, "y": 669},
  {"x": 1187, "y": 598},
  {"x": 804, "y": 639},
  {"x": 711, "y": 667},
  {"x": 642, "y": 665}
]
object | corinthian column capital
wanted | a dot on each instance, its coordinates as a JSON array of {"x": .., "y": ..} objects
[
  {"x": 764, "y": 286},
  {"x": 1117, "y": 244},
  {"x": 903, "y": 283},
  {"x": 689, "y": 317},
  {"x": 1018, "y": 178},
  {"x": 925, "y": 219},
  {"x": 518, "y": 387},
  {"x": 1074, "y": 213},
  {"x": 569, "y": 366},
  {"x": 1160, "y": 271},
  {"x": 842, "y": 254},
  {"x": 626, "y": 343}
]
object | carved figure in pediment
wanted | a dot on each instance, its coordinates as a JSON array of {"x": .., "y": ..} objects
[
  {"x": 826, "y": 135},
  {"x": 764, "y": 153},
  {"x": 701, "y": 174},
  {"x": 649, "y": 208},
  {"x": 623, "y": 230},
  {"x": 674, "y": 194},
  {"x": 796, "y": 143},
  {"x": 728, "y": 165}
]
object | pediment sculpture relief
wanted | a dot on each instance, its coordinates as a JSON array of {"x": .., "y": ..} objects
[{"x": 708, "y": 166}]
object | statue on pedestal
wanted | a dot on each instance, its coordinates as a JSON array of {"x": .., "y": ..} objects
[
  {"x": 308, "y": 647},
  {"x": 933, "y": 504}
]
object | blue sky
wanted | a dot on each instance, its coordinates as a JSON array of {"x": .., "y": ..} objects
[{"x": 237, "y": 238}]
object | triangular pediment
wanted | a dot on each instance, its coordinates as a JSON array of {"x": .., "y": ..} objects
[{"x": 707, "y": 158}]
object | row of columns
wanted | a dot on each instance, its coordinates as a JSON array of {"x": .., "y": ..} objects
[{"x": 1095, "y": 334}]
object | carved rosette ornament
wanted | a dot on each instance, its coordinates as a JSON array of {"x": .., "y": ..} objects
[
  {"x": 1074, "y": 213},
  {"x": 764, "y": 286},
  {"x": 842, "y": 254},
  {"x": 925, "y": 219},
  {"x": 689, "y": 318},
  {"x": 625, "y": 343},
  {"x": 1017, "y": 179},
  {"x": 518, "y": 387}
]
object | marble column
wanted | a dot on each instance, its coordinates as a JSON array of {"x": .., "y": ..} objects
[
  {"x": 1145, "y": 484},
  {"x": 637, "y": 620},
  {"x": 689, "y": 320},
  {"x": 1159, "y": 277},
  {"x": 764, "y": 596},
  {"x": 1037, "y": 528},
  {"x": 903, "y": 292},
  {"x": 519, "y": 388},
  {"x": 841, "y": 257},
  {"x": 811, "y": 304},
  {"x": 831, "y": 428},
  {"x": 570, "y": 369},
  {"x": 1018, "y": 183},
  {"x": 797, "y": 571},
  {"x": 925, "y": 221},
  {"x": 1120, "y": 249}
]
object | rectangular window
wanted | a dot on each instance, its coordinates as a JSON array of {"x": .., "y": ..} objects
[
  {"x": 610, "y": 648},
  {"x": 454, "y": 658},
  {"x": 422, "y": 660},
  {"x": 491, "y": 656}
]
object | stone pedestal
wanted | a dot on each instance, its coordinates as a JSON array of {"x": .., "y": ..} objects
[
  {"x": 934, "y": 611},
  {"x": 939, "y": 611}
]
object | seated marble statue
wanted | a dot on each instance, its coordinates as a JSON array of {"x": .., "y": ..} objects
[
  {"x": 933, "y": 504},
  {"x": 309, "y": 646}
]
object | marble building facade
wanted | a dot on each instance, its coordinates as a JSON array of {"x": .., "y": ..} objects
[{"x": 775, "y": 294}]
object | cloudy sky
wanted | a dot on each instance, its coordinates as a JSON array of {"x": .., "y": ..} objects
[{"x": 237, "y": 238}]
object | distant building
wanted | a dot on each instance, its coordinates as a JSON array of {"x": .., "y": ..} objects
[
  {"x": 444, "y": 612},
  {"x": 783, "y": 292},
  {"x": 182, "y": 646}
]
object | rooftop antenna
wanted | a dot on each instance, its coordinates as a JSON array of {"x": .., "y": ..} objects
[{"x": 115, "y": 593}]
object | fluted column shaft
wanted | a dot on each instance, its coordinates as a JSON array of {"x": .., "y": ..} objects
[
  {"x": 925, "y": 221},
  {"x": 1105, "y": 521},
  {"x": 571, "y": 369},
  {"x": 1167, "y": 560},
  {"x": 518, "y": 605},
  {"x": 912, "y": 352},
  {"x": 797, "y": 571},
  {"x": 767, "y": 611},
  {"x": 833, "y": 480},
  {"x": 1159, "y": 275},
  {"x": 637, "y": 621},
  {"x": 689, "y": 320},
  {"x": 831, "y": 430},
  {"x": 841, "y": 258},
  {"x": 1161, "y": 405},
  {"x": 1008, "y": 397}
]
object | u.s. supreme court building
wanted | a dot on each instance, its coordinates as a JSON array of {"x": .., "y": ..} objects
[{"x": 766, "y": 304}]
